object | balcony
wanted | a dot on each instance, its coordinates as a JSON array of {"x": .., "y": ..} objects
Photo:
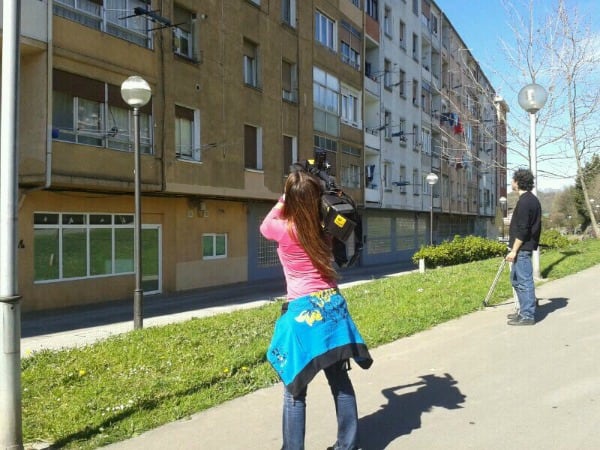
[
  {"x": 372, "y": 195},
  {"x": 372, "y": 139},
  {"x": 372, "y": 86}
]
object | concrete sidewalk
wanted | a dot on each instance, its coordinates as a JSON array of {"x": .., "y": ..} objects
[{"x": 471, "y": 383}]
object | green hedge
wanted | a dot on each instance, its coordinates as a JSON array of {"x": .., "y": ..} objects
[
  {"x": 460, "y": 250},
  {"x": 553, "y": 239}
]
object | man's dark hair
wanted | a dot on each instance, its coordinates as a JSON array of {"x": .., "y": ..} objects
[{"x": 524, "y": 179}]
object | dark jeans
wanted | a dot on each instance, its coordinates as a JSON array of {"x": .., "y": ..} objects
[{"x": 294, "y": 411}]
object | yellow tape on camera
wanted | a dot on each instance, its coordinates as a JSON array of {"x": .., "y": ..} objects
[{"x": 340, "y": 221}]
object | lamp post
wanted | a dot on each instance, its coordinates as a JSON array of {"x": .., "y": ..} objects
[
  {"x": 502, "y": 201},
  {"x": 532, "y": 98},
  {"x": 136, "y": 92},
  {"x": 432, "y": 179}
]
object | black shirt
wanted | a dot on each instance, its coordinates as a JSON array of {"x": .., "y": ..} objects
[{"x": 526, "y": 222}]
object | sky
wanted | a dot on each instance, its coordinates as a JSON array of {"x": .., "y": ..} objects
[{"x": 481, "y": 24}]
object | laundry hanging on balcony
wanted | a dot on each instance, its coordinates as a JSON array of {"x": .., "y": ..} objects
[{"x": 458, "y": 128}]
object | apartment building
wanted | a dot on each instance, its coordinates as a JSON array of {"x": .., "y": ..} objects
[{"x": 240, "y": 90}]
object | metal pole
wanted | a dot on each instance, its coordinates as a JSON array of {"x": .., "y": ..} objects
[
  {"x": 138, "y": 293},
  {"x": 11, "y": 435},
  {"x": 535, "y": 257},
  {"x": 431, "y": 218}
]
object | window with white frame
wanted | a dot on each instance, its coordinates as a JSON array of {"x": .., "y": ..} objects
[
  {"x": 253, "y": 147},
  {"x": 290, "y": 152},
  {"x": 289, "y": 81},
  {"x": 402, "y": 83},
  {"x": 325, "y": 30},
  {"x": 78, "y": 245},
  {"x": 350, "y": 44},
  {"x": 90, "y": 112},
  {"x": 187, "y": 133},
  {"x": 415, "y": 47},
  {"x": 330, "y": 146},
  {"x": 416, "y": 182},
  {"x": 288, "y": 12},
  {"x": 351, "y": 176},
  {"x": 371, "y": 8},
  {"x": 426, "y": 141},
  {"x": 387, "y": 21},
  {"x": 402, "y": 33},
  {"x": 415, "y": 136},
  {"x": 214, "y": 245},
  {"x": 387, "y": 74},
  {"x": 251, "y": 63},
  {"x": 326, "y": 102},
  {"x": 351, "y": 107},
  {"x": 387, "y": 175},
  {"x": 109, "y": 16},
  {"x": 387, "y": 123},
  {"x": 403, "y": 179},
  {"x": 183, "y": 36}
]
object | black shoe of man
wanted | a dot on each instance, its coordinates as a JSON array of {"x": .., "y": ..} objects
[{"x": 521, "y": 321}]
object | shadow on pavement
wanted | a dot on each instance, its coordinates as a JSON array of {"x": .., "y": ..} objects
[
  {"x": 402, "y": 413},
  {"x": 551, "y": 306}
]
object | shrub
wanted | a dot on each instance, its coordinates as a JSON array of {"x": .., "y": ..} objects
[
  {"x": 553, "y": 239},
  {"x": 460, "y": 250}
]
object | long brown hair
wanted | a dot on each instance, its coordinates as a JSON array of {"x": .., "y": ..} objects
[{"x": 301, "y": 209}]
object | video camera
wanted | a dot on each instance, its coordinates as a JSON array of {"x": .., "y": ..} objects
[{"x": 339, "y": 215}]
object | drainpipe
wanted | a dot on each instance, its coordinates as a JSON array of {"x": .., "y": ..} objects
[{"x": 49, "y": 87}]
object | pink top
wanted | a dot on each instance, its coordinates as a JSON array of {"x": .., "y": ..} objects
[{"x": 301, "y": 276}]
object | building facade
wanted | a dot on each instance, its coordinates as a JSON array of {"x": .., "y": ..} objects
[{"x": 241, "y": 89}]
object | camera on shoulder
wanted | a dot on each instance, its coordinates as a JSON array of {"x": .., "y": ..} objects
[{"x": 339, "y": 215}]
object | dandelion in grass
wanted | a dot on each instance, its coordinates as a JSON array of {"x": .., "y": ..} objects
[{"x": 82, "y": 372}]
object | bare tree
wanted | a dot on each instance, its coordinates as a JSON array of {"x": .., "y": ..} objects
[{"x": 556, "y": 48}]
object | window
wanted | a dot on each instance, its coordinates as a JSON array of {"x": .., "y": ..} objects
[
  {"x": 415, "y": 7},
  {"x": 434, "y": 24},
  {"x": 351, "y": 107},
  {"x": 326, "y": 100},
  {"x": 321, "y": 143},
  {"x": 415, "y": 92},
  {"x": 214, "y": 246},
  {"x": 387, "y": 74},
  {"x": 387, "y": 174},
  {"x": 415, "y": 181},
  {"x": 402, "y": 131},
  {"x": 108, "y": 16},
  {"x": 288, "y": 12},
  {"x": 402, "y": 32},
  {"x": 415, "y": 135},
  {"x": 351, "y": 176},
  {"x": 387, "y": 21},
  {"x": 289, "y": 81},
  {"x": 387, "y": 123},
  {"x": 426, "y": 141},
  {"x": 183, "y": 36},
  {"x": 250, "y": 63},
  {"x": 415, "y": 47},
  {"x": 90, "y": 112},
  {"x": 325, "y": 30},
  {"x": 68, "y": 245},
  {"x": 403, "y": 179},
  {"x": 187, "y": 133},
  {"x": 371, "y": 9},
  {"x": 402, "y": 83},
  {"x": 252, "y": 147},
  {"x": 290, "y": 152},
  {"x": 351, "y": 44},
  {"x": 356, "y": 3}
]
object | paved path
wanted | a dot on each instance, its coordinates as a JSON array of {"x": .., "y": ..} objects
[{"x": 471, "y": 383}]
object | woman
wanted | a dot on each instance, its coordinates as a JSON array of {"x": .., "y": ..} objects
[{"x": 315, "y": 330}]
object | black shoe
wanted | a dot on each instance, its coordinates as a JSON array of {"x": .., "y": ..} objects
[
  {"x": 512, "y": 316},
  {"x": 521, "y": 321}
]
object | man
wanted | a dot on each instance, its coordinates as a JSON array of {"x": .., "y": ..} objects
[{"x": 524, "y": 237}]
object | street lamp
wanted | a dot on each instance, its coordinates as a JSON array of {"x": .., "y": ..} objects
[
  {"x": 502, "y": 201},
  {"x": 136, "y": 92},
  {"x": 532, "y": 98},
  {"x": 432, "y": 179}
]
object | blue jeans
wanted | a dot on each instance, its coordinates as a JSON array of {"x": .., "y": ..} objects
[
  {"x": 294, "y": 412},
  {"x": 521, "y": 277}
]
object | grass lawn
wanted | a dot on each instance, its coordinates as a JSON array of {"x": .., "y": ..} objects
[{"x": 88, "y": 397}]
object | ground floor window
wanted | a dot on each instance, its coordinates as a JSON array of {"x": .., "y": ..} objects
[
  {"x": 76, "y": 245},
  {"x": 214, "y": 245}
]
